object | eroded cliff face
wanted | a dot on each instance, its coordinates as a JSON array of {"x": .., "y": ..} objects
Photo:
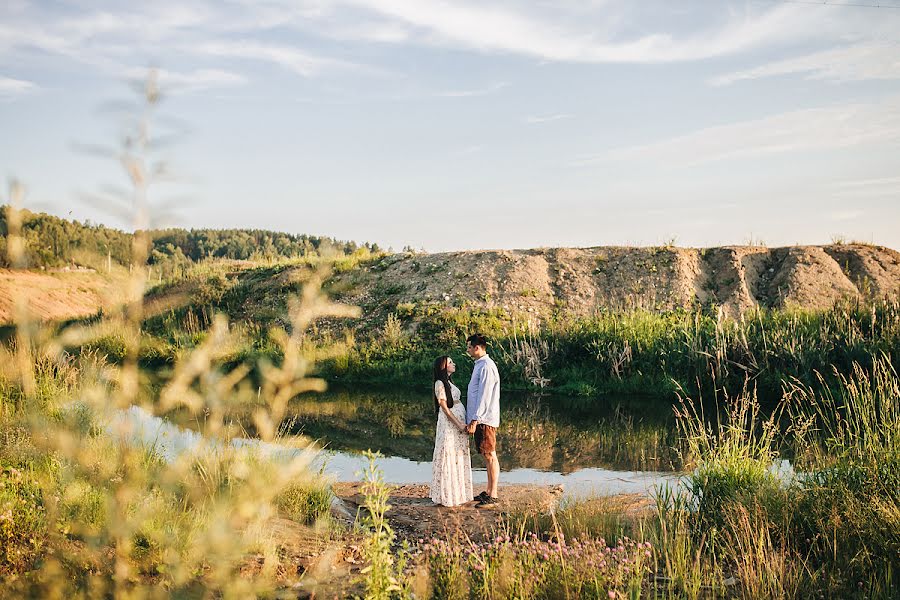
[
  {"x": 534, "y": 282},
  {"x": 583, "y": 280}
]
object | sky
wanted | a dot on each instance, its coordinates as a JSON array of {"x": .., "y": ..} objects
[{"x": 449, "y": 125}]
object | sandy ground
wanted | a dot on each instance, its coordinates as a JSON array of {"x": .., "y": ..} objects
[
  {"x": 532, "y": 283},
  {"x": 414, "y": 516},
  {"x": 54, "y": 296}
]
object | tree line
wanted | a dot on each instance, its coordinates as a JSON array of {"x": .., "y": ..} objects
[{"x": 52, "y": 241}]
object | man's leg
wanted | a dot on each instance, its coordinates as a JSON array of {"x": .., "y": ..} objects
[
  {"x": 487, "y": 468},
  {"x": 493, "y": 474}
]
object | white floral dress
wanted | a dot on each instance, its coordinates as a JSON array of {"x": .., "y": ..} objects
[{"x": 451, "y": 467}]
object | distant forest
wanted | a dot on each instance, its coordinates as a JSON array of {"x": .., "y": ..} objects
[{"x": 54, "y": 242}]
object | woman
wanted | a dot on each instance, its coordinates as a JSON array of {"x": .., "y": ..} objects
[{"x": 451, "y": 467}]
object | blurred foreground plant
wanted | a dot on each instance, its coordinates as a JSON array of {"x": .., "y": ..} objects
[
  {"x": 100, "y": 506},
  {"x": 384, "y": 575}
]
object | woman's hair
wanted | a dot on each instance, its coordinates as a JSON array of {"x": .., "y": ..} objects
[{"x": 440, "y": 374}]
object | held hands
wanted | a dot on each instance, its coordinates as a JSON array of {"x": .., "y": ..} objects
[{"x": 470, "y": 428}]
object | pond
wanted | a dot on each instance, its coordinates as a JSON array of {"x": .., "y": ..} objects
[
  {"x": 595, "y": 446},
  {"x": 591, "y": 446}
]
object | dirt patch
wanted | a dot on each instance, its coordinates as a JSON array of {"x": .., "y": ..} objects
[
  {"x": 414, "y": 516},
  {"x": 57, "y": 295}
]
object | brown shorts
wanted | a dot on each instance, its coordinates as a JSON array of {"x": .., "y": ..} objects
[{"x": 485, "y": 439}]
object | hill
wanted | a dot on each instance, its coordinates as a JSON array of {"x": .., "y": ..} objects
[
  {"x": 525, "y": 283},
  {"x": 584, "y": 280}
]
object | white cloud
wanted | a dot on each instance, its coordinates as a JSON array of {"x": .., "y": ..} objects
[
  {"x": 533, "y": 119},
  {"x": 857, "y": 62},
  {"x": 290, "y": 58},
  {"x": 176, "y": 82},
  {"x": 813, "y": 129},
  {"x": 14, "y": 87},
  {"x": 485, "y": 91},
  {"x": 113, "y": 39},
  {"x": 868, "y": 183},
  {"x": 872, "y": 188},
  {"x": 494, "y": 28},
  {"x": 845, "y": 215}
]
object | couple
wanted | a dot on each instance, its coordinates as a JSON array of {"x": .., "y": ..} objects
[{"x": 451, "y": 468}]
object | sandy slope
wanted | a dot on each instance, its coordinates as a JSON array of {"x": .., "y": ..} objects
[
  {"x": 582, "y": 280},
  {"x": 57, "y": 295},
  {"x": 534, "y": 282}
]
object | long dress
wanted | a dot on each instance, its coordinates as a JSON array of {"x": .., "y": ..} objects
[{"x": 451, "y": 467}]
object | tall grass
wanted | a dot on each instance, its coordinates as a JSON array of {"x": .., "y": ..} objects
[
  {"x": 88, "y": 510},
  {"x": 738, "y": 527},
  {"x": 835, "y": 528},
  {"x": 638, "y": 351}
]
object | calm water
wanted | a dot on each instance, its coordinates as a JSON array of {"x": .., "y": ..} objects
[
  {"x": 590, "y": 446},
  {"x": 597, "y": 446}
]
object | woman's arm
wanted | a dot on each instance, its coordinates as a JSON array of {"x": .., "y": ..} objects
[
  {"x": 456, "y": 423},
  {"x": 441, "y": 396}
]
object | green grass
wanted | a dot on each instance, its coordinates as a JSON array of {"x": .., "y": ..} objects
[
  {"x": 637, "y": 352},
  {"x": 23, "y": 520}
]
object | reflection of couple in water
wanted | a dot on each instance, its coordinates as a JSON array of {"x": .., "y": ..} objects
[{"x": 451, "y": 469}]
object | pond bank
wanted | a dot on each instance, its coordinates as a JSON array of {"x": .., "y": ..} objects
[{"x": 414, "y": 517}]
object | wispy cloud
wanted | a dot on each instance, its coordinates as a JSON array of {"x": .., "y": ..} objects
[
  {"x": 177, "y": 82},
  {"x": 485, "y": 91},
  {"x": 546, "y": 118},
  {"x": 845, "y": 215},
  {"x": 871, "y": 188},
  {"x": 480, "y": 27},
  {"x": 290, "y": 58},
  {"x": 113, "y": 39},
  {"x": 10, "y": 87},
  {"x": 868, "y": 183},
  {"x": 802, "y": 130},
  {"x": 857, "y": 62},
  {"x": 468, "y": 150}
]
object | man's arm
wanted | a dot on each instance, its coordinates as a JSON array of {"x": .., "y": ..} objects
[
  {"x": 486, "y": 382},
  {"x": 474, "y": 395}
]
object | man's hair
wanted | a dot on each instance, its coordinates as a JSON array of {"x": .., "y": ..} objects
[{"x": 476, "y": 339}]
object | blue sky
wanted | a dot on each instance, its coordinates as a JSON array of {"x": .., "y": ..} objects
[{"x": 456, "y": 125}]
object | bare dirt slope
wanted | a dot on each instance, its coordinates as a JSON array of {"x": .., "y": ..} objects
[
  {"x": 534, "y": 282},
  {"x": 582, "y": 280},
  {"x": 57, "y": 295}
]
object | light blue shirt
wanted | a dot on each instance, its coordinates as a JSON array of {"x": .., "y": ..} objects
[{"x": 483, "y": 393}]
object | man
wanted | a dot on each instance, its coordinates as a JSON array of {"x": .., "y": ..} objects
[{"x": 483, "y": 413}]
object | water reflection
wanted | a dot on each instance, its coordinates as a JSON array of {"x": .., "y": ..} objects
[
  {"x": 171, "y": 440},
  {"x": 550, "y": 434},
  {"x": 345, "y": 466}
]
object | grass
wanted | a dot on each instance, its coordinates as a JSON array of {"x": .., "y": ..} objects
[
  {"x": 735, "y": 527},
  {"x": 634, "y": 352},
  {"x": 524, "y": 566}
]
